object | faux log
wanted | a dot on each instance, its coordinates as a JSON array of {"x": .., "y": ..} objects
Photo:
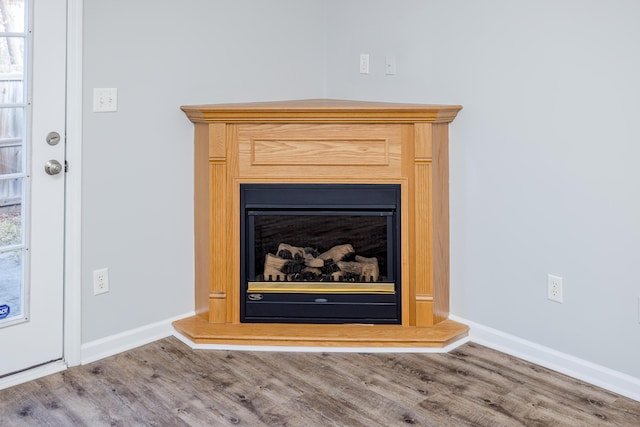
[
  {"x": 312, "y": 262},
  {"x": 314, "y": 270},
  {"x": 273, "y": 267},
  {"x": 289, "y": 252},
  {"x": 292, "y": 263},
  {"x": 337, "y": 253},
  {"x": 295, "y": 252},
  {"x": 367, "y": 269}
]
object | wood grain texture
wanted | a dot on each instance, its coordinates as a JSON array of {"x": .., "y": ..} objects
[
  {"x": 231, "y": 234},
  {"x": 219, "y": 247},
  {"x": 201, "y": 331},
  {"x": 423, "y": 225},
  {"x": 408, "y": 226},
  {"x": 320, "y": 152},
  {"x": 423, "y": 229},
  {"x": 406, "y": 238},
  {"x": 202, "y": 219},
  {"x": 424, "y": 311},
  {"x": 333, "y": 151},
  {"x": 167, "y": 384},
  {"x": 321, "y": 110},
  {"x": 423, "y": 141},
  {"x": 440, "y": 221},
  {"x": 217, "y": 141}
]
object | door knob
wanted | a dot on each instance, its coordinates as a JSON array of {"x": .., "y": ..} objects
[{"x": 53, "y": 167}]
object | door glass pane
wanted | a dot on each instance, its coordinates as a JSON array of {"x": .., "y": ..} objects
[
  {"x": 10, "y": 225},
  {"x": 12, "y": 159},
  {"x": 12, "y": 16},
  {"x": 11, "y": 288},
  {"x": 11, "y": 140},
  {"x": 12, "y": 57}
]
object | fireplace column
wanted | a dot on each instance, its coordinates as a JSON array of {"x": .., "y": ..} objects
[
  {"x": 213, "y": 214},
  {"x": 431, "y": 195}
]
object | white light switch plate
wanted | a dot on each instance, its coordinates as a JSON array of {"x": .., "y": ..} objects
[
  {"x": 105, "y": 100},
  {"x": 364, "y": 63}
]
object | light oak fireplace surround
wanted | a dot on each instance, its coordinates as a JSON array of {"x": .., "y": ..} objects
[{"x": 323, "y": 141}]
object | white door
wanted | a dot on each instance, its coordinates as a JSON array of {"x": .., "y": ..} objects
[{"x": 32, "y": 106}]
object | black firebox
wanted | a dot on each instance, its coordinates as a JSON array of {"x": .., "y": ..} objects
[{"x": 320, "y": 253}]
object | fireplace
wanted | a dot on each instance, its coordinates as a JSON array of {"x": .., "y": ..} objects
[
  {"x": 320, "y": 253},
  {"x": 321, "y": 223}
]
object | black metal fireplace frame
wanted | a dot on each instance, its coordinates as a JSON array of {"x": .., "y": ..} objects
[{"x": 320, "y": 199}]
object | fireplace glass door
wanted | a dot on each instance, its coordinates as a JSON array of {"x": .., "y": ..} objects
[{"x": 320, "y": 253}]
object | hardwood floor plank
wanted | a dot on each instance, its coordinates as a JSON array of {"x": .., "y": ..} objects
[
  {"x": 165, "y": 383},
  {"x": 580, "y": 401}
]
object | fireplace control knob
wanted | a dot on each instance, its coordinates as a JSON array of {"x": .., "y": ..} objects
[{"x": 255, "y": 297}]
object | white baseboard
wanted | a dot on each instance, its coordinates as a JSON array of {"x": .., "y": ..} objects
[
  {"x": 592, "y": 373},
  {"x": 32, "y": 374},
  {"x": 108, "y": 346}
]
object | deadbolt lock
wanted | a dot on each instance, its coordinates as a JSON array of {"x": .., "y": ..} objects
[{"x": 53, "y": 138}]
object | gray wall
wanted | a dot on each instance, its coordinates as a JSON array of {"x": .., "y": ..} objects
[
  {"x": 544, "y": 175},
  {"x": 137, "y": 162}
]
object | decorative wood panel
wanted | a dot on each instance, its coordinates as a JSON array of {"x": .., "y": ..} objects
[
  {"x": 322, "y": 150},
  {"x": 423, "y": 141},
  {"x": 202, "y": 219},
  {"x": 318, "y": 152},
  {"x": 440, "y": 219},
  {"x": 423, "y": 261},
  {"x": 217, "y": 141},
  {"x": 219, "y": 244}
]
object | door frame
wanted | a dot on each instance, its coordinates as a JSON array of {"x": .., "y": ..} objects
[{"x": 72, "y": 328}]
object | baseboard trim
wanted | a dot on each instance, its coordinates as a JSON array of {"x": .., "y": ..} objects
[
  {"x": 114, "y": 344},
  {"x": 32, "y": 374},
  {"x": 598, "y": 375}
]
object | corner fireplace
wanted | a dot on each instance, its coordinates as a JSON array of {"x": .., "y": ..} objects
[
  {"x": 320, "y": 253},
  {"x": 321, "y": 223}
]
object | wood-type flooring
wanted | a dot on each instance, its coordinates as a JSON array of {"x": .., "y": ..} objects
[{"x": 166, "y": 383}]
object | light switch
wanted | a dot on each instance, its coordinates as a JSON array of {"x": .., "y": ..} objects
[
  {"x": 364, "y": 63},
  {"x": 105, "y": 100}
]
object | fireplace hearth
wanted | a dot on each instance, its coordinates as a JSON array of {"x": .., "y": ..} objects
[
  {"x": 321, "y": 223},
  {"x": 320, "y": 253}
]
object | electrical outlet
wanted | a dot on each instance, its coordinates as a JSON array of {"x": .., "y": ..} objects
[
  {"x": 554, "y": 288},
  {"x": 390, "y": 62},
  {"x": 100, "y": 281}
]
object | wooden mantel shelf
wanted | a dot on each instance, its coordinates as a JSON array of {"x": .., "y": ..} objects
[
  {"x": 200, "y": 331},
  {"x": 323, "y": 141},
  {"x": 322, "y": 110}
]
